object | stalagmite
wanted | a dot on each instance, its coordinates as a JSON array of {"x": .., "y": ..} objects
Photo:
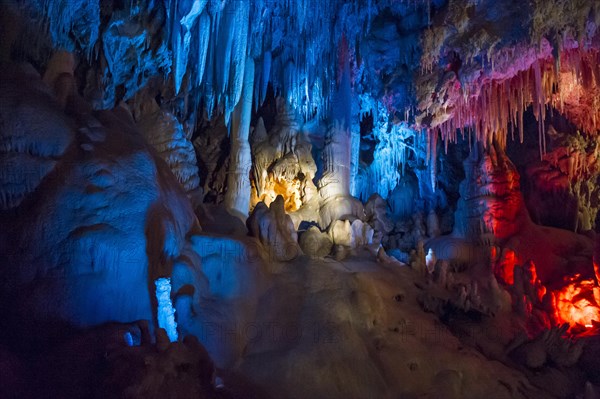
[
  {"x": 346, "y": 134},
  {"x": 337, "y": 155},
  {"x": 237, "y": 197},
  {"x": 282, "y": 162},
  {"x": 165, "y": 311},
  {"x": 336, "y": 160}
]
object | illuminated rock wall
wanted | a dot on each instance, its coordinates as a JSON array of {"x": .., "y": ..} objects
[
  {"x": 282, "y": 162},
  {"x": 98, "y": 219}
]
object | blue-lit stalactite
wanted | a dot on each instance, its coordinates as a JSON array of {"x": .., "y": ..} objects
[
  {"x": 394, "y": 147},
  {"x": 203, "y": 45},
  {"x": 200, "y": 48}
]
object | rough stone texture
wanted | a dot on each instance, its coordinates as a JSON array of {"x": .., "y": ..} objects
[
  {"x": 350, "y": 234},
  {"x": 315, "y": 243},
  {"x": 376, "y": 212},
  {"x": 566, "y": 179},
  {"x": 476, "y": 51},
  {"x": 164, "y": 132},
  {"x": 115, "y": 360},
  {"x": 95, "y": 216},
  {"x": 212, "y": 152},
  {"x": 356, "y": 321},
  {"x": 491, "y": 201},
  {"x": 282, "y": 163},
  {"x": 275, "y": 230},
  {"x": 338, "y": 208}
]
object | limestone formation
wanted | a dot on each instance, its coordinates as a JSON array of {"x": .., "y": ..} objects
[
  {"x": 315, "y": 243},
  {"x": 275, "y": 230}
]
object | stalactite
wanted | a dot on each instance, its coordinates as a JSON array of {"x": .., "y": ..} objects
[
  {"x": 203, "y": 43},
  {"x": 354, "y": 157},
  {"x": 65, "y": 15},
  {"x": 389, "y": 158},
  {"x": 181, "y": 38},
  {"x": 498, "y": 107},
  {"x": 237, "y": 197},
  {"x": 432, "y": 161},
  {"x": 238, "y": 55},
  {"x": 209, "y": 96},
  {"x": 218, "y": 35},
  {"x": 265, "y": 76}
]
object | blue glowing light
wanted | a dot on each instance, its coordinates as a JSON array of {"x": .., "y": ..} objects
[{"x": 166, "y": 312}]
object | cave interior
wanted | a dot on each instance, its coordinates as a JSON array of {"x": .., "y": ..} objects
[{"x": 300, "y": 199}]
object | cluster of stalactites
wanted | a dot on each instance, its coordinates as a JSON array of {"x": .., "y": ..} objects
[
  {"x": 395, "y": 142},
  {"x": 495, "y": 112},
  {"x": 293, "y": 43},
  {"x": 290, "y": 42}
]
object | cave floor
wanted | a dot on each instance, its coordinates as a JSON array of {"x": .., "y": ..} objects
[{"x": 354, "y": 329}]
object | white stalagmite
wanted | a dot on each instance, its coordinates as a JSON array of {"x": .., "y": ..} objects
[
  {"x": 336, "y": 162},
  {"x": 337, "y": 152},
  {"x": 237, "y": 197},
  {"x": 390, "y": 156},
  {"x": 165, "y": 311}
]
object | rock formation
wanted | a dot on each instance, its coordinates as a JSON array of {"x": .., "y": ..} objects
[{"x": 275, "y": 230}]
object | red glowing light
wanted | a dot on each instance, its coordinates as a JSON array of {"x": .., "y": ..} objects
[
  {"x": 505, "y": 265},
  {"x": 577, "y": 302}
]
